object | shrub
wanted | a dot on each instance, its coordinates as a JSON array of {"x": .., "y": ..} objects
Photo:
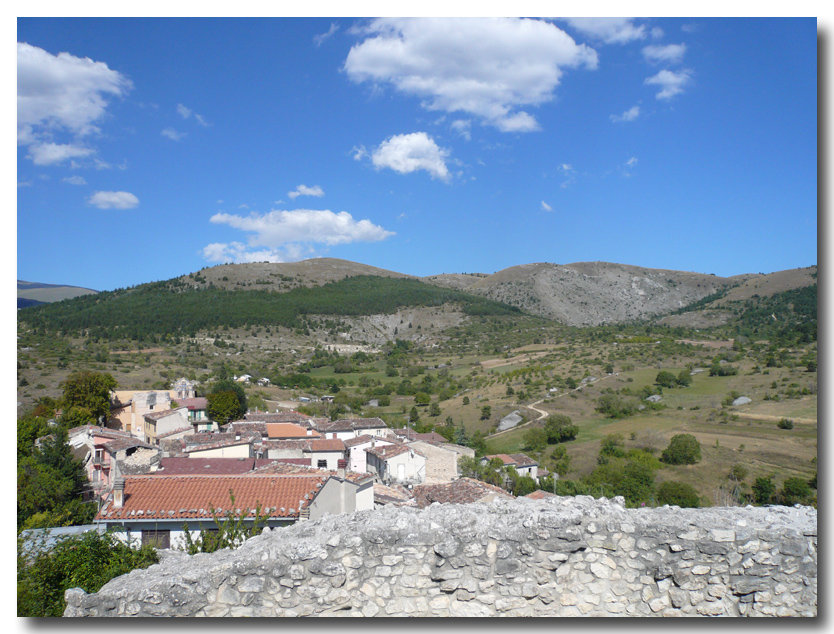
[
  {"x": 683, "y": 449},
  {"x": 559, "y": 428},
  {"x": 763, "y": 490},
  {"x": 785, "y": 423},
  {"x": 795, "y": 491},
  {"x": 677, "y": 494},
  {"x": 86, "y": 562}
]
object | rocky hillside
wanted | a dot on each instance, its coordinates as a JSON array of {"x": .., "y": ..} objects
[{"x": 593, "y": 293}]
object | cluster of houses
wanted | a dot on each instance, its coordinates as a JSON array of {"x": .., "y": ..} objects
[{"x": 161, "y": 467}]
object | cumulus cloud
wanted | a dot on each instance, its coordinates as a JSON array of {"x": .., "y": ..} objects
[
  {"x": 486, "y": 67},
  {"x": 61, "y": 94},
  {"x": 629, "y": 115},
  {"x": 280, "y": 236},
  {"x": 546, "y": 207},
  {"x": 671, "y": 83},
  {"x": 75, "y": 180},
  {"x": 669, "y": 54},
  {"x": 173, "y": 134},
  {"x": 657, "y": 33},
  {"x": 609, "y": 30},
  {"x": 183, "y": 111},
  {"x": 303, "y": 190},
  {"x": 114, "y": 200},
  {"x": 55, "y": 153},
  {"x": 406, "y": 153}
]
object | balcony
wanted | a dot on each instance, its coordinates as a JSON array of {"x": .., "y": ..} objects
[{"x": 100, "y": 463}]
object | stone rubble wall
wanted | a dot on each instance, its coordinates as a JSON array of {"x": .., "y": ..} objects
[{"x": 556, "y": 557}]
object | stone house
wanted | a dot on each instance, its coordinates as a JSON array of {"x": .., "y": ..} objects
[
  {"x": 347, "y": 428},
  {"x": 127, "y": 409},
  {"x": 198, "y": 413},
  {"x": 441, "y": 463},
  {"x": 162, "y": 423},
  {"x": 523, "y": 464},
  {"x": 326, "y": 454},
  {"x": 461, "y": 491},
  {"x": 397, "y": 463}
]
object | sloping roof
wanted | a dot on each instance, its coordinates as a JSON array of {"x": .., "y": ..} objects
[
  {"x": 174, "y": 432},
  {"x": 120, "y": 444},
  {"x": 538, "y": 494},
  {"x": 208, "y": 466},
  {"x": 199, "y": 402},
  {"x": 251, "y": 427},
  {"x": 392, "y": 494},
  {"x": 172, "y": 497},
  {"x": 386, "y": 452},
  {"x": 358, "y": 440},
  {"x": 366, "y": 423},
  {"x": 288, "y": 430},
  {"x": 461, "y": 491},
  {"x": 522, "y": 460},
  {"x": 432, "y": 436},
  {"x": 331, "y": 444},
  {"x": 505, "y": 458},
  {"x": 301, "y": 445},
  {"x": 102, "y": 432},
  {"x": 164, "y": 413},
  {"x": 328, "y": 426},
  {"x": 279, "y": 417}
]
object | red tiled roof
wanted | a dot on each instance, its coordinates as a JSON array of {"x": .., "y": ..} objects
[
  {"x": 389, "y": 451},
  {"x": 358, "y": 440},
  {"x": 522, "y": 460},
  {"x": 208, "y": 466},
  {"x": 538, "y": 494},
  {"x": 432, "y": 436},
  {"x": 301, "y": 445},
  {"x": 198, "y": 402},
  {"x": 366, "y": 423},
  {"x": 330, "y": 444},
  {"x": 461, "y": 491},
  {"x": 172, "y": 497},
  {"x": 288, "y": 430},
  {"x": 174, "y": 432},
  {"x": 505, "y": 458}
]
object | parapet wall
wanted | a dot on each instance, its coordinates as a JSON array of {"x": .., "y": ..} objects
[{"x": 559, "y": 557}]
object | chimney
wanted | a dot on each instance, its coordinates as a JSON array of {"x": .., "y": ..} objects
[
  {"x": 119, "y": 493},
  {"x": 340, "y": 468}
]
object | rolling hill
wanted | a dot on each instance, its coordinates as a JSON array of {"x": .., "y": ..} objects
[{"x": 34, "y": 293}]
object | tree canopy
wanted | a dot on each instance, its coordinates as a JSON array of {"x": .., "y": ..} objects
[{"x": 86, "y": 396}]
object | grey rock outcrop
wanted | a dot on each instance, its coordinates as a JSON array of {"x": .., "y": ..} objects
[{"x": 555, "y": 557}]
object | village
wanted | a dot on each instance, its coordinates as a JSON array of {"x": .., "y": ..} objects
[{"x": 160, "y": 467}]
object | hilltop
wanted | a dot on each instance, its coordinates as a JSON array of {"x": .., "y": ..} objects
[{"x": 34, "y": 293}]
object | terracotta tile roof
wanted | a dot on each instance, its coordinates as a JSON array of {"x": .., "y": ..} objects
[
  {"x": 192, "y": 404},
  {"x": 165, "y": 413},
  {"x": 289, "y": 430},
  {"x": 327, "y": 427},
  {"x": 392, "y": 494},
  {"x": 279, "y": 417},
  {"x": 291, "y": 466},
  {"x": 247, "y": 427},
  {"x": 358, "y": 440},
  {"x": 331, "y": 444},
  {"x": 208, "y": 466},
  {"x": 461, "y": 491},
  {"x": 432, "y": 437},
  {"x": 505, "y": 458},
  {"x": 125, "y": 443},
  {"x": 538, "y": 494},
  {"x": 301, "y": 445},
  {"x": 522, "y": 460},
  {"x": 366, "y": 423},
  {"x": 172, "y": 497},
  {"x": 168, "y": 434}
]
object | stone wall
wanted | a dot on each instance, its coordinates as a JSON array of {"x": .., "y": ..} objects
[{"x": 559, "y": 557}]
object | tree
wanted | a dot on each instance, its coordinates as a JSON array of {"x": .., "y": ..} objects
[
  {"x": 86, "y": 562},
  {"x": 795, "y": 491},
  {"x": 86, "y": 396},
  {"x": 682, "y": 449},
  {"x": 535, "y": 439},
  {"x": 665, "y": 378},
  {"x": 677, "y": 494},
  {"x": 560, "y": 428},
  {"x": 763, "y": 490},
  {"x": 421, "y": 398},
  {"x": 486, "y": 412},
  {"x": 226, "y": 401},
  {"x": 230, "y": 532},
  {"x": 561, "y": 460},
  {"x": 684, "y": 378},
  {"x": 434, "y": 409},
  {"x": 466, "y": 400}
]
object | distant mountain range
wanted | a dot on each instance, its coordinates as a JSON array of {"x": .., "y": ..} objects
[
  {"x": 34, "y": 293},
  {"x": 583, "y": 293}
]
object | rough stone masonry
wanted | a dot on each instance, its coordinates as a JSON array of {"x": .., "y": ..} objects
[{"x": 558, "y": 557}]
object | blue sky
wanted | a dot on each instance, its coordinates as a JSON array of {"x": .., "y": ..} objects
[{"x": 150, "y": 148}]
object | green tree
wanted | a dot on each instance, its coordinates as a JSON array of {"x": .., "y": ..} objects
[
  {"x": 560, "y": 460},
  {"x": 795, "y": 491},
  {"x": 421, "y": 398},
  {"x": 226, "y": 401},
  {"x": 560, "y": 428},
  {"x": 434, "y": 409},
  {"x": 763, "y": 490},
  {"x": 466, "y": 400},
  {"x": 665, "y": 378},
  {"x": 486, "y": 412},
  {"x": 684, "y": 378},
  {"x": 677, "y": 494},
  {"x": 231, "y": 529},
  {"x": 682, "y": 449},
  {"x": 86, "y": 396},
  {"x": 86, "y": 562},
  {"x": 535, "y": 439}
]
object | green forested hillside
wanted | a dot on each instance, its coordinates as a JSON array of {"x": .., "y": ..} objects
[{"x": 174, "y": 308}]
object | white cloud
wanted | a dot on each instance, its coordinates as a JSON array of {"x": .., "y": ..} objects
[
  {"x": 463, "y": 127},
  {"x": 54, "y": 153},
  {"x": 303, "y": 190},
  {"x": 657, "y": 33},
  {"x": 487, "y": 67},
  {"x": 173, "y": 134},
  {"x": 669, "y": 54},
  {"x": 546, "y": 207},
  {"x": 632, "y": 161},
  {"x": 318, "y": 40},
  {"x": 201, "y": 120},
  {"x": 671, "y": 83},
  {"x": 24, "y": 184},
  {"x": 61, "y": 94},
  {"x": 609, "y": 30},
  {"x": 114, "y": 200},
  {"x": 183, "y": 111},
  {"x": 75, "y": 180},
  {"x": 629, "y": 115},
  {"x": 406, "y": 153},
  {"x": 689, "y": 28},
  {"x": 101, "y": 165},
  {"x": 290, "y": 235}
]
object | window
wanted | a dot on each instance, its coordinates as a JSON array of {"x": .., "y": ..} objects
[
  {"x": 157, "y": 539},
  {"x": 322, "y": 464}
]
